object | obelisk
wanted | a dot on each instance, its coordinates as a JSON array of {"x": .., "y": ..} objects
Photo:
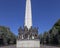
[
  {"x": 28, "y": 35},
  {"x": 28, "y": 14}
]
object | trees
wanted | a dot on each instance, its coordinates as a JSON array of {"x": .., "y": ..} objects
[
  {"x": 6, "y": 36},
  {"x": 53, "y": 35}
]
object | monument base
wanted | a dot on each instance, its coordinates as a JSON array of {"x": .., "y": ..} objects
[{"x": 28, "y": 44}]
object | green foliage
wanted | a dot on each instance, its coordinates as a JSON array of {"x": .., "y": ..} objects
[
  {"x": 53, "y": 35},
  {"x": 6, "y": 36}
]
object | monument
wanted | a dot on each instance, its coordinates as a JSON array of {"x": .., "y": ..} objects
[{"x": 28, "y": 35}]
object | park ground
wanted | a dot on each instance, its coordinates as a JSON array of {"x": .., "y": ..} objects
[{"x": 41, "y": 46}]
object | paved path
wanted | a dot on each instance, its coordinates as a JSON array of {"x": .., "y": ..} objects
[
  {"x": 11, "y": 46},
  {"x": 45, "y": 46},
  {"x": 42, "y": 46}
]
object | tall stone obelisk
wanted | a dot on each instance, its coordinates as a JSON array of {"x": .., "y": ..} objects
[
  {"x": 28, "y": 35},
  {"x": 28, "y": 14}
]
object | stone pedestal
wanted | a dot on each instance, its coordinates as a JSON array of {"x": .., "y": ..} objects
[{"x": 28, "y": 44}]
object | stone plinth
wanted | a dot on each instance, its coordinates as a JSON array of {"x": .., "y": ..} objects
[{"x": 28, "y": 44}]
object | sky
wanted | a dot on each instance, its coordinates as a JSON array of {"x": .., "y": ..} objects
[{"x": 44, "y": 14}]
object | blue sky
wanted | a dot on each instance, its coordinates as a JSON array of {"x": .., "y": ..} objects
[{"x": 44, "y": 12}]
